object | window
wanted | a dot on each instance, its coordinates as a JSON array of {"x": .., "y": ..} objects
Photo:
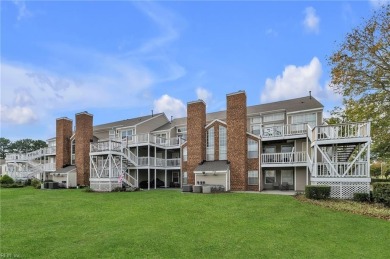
[
  {"x": 273, "y": 130},
  {"x": 182, "y": 132},
  {"x": 309, "y": 118},
  {"x": 73, "y": 152},
  {"x": 185, "y": 178},
  {"x": 127, "y": 134},
  {"x": 273, "y": 117},
  {"x": 184, "y": 153},
  {"x": 253, "y": 148},
  {"x": 210, "y": 144},
  {"x": 175, "y": 177},
  {"x": 222, "y": 143},
  {"x": 161, "y": 138},
  {"x": 287, "y": 176},
  {"x": 253, "y": 178},
  {"x": 270, "y": 176},
  {"x": 255, "y": 125},
  {"x": 270, "y": 149}
]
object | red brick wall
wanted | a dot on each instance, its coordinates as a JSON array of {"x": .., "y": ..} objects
[
  {"x": 84, "y": 134},
  {"x": 63, "y": 145},
  {"x": 196, "y": 137},
  {"x": 237, "y": 140}
]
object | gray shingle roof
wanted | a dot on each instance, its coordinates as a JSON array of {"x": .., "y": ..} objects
[
  {"x": 65, "y": 170},
  {"x": 124, "y": 123},
  {"x": 207, "y": 166},
  {"x": 174, "y": 123}
]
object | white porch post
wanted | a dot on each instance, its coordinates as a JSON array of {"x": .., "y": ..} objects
[
  {"x": 166, "y": 178},
  {"x": 155, "y": 178},
  {"x": 148, "y": 178},
  {"x": 109, "y": 171}
]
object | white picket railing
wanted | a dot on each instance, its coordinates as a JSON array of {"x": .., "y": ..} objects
[
  {"x": 342, "y": 169},
  {"x": 283, "y": 130},
  {"x": 31, "y": 155},
  {"x": 283, "y": 158},
  {"x": 342, "y": 131}
]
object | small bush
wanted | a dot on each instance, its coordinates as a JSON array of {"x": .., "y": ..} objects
[
  {"x": 36, "y": 183},
  {"x": 317, "y": 192},
  {"x": 361, "y": 197},
  {"x": 381, "y": 193},
  {"x": 88, "y": 189},
  {"x": 28, "y": 182},
  {"x": 118, "y": 189},
  {"x": 12, "y": 185},
  {"x": 6, "y": 179},
  {"x": 375, "y": 180}
]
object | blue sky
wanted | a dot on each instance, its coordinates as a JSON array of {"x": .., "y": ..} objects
[{"x": 122, "y": 59}]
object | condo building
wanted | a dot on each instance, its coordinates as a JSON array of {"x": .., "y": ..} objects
[{"x": 279, "y": 145}]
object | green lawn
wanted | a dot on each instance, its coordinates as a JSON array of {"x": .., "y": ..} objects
[{"x": 171, "y": 224}]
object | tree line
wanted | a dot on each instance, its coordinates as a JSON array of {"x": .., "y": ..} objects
[{"x": 19, "y": 146}]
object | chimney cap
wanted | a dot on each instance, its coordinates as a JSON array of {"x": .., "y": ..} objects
[
  {"x": 64, "y": 118},
  {"x": 85, "y": 113},
  {"x": 238, "y": 92},
  {"x": 197, "y": 101}
]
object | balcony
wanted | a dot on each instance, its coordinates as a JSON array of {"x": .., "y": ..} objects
[
  {"x": 341, "y": 132},
  {"x": 342, "y": 170},
  {"x": 146, "y": 138},
  {"x": 23, "y": 157},
  {"x": 159, "y": 162},
  {"x": 286, "y": 131},
  {"x": 283, "y": 159}
]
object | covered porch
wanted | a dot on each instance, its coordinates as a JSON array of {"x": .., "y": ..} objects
[
  {"x": 284, "y": 179},
  {"x": 213, "y": 173}
]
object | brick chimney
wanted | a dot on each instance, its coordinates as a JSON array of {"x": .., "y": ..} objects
[
  {"x": 196, "y": 136},
  {"x": 83, "y": 137},
  {"x": 63, "y": 134},
  {"x": 236, "y": 139}
]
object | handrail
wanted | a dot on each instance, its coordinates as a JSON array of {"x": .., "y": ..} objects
[{"x": 284, "y": 158}]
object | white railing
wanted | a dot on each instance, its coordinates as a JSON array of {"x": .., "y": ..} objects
[
  {"x": 146, "y": 138},
  {"x": 106, "y": 145},
  {"x": 129, "y": 180},
  {"x": 342, "y": 169},
  {"x": 143, "y": 161},
  {"x": 31, "y": 155},
  {"x": 160, "y": 162},
  {"x": 173, "y": 162},
  {"x": 49, "y": 167},
  {"x": 283, "y": 130},
  {"x": 342, "y": 131},
  {"x": 283, "y": 158}
]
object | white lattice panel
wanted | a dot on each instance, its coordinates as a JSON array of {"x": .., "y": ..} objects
[
  {"x": 104, "y": 186},
  {"x": 345, "y": 190}
]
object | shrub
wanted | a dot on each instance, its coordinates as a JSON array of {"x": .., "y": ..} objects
[
  {"x": 36, "y": 183},
  {"x": 12, "y": 185},
  {"x": 381, "y": 193},
  {"x": 317, "y": 192},
  {"x": 361, "y": 197},
  {"x": 118, "y": 189},
  {"x": 6, "y": 179},
  {"x": 88, "y": 189},
  {"x": 375, "y": 180}
]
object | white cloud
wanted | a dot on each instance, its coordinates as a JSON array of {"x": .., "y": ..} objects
[
  {"x": 271, "y": 32},
  {"x": 171, "y": 106},
  {"x": 204, "y": 94},
  {"x": 23, "y": 12},
  {"x": 17, "y": 114},
  {"x": 312, "y": 20},
  {"x": 297, "y": 81},
  {"x": 379, "y": 3}
]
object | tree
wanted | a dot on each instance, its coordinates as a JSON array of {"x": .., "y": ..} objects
[
  {"x": 360, "y": 71},
  {"x": 26, "y": 145},
  {"x": 375, "y": 170},
  {"x": 4, "y": 147}
]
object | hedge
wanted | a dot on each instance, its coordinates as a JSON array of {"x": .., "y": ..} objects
[
  {"x": 361, "y": 197},
  {"x": 317, "y": 192},
  {"x": 381, "y": 193},
  {"x": 374, "y": 180}
]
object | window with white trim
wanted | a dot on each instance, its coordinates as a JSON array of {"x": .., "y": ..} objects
[
  {"x": 287, "y": 176},
  {"x": 253, "y": 177},
  {"x": 210, "y": 144},
  {"x": 185, "y": 178},
  {"x": 161, "y": 138},
  {"x": 127, "y": 134},
  {"x": 273, "y": 117},
  {"x": 255, "y": 125},
  {"x": 222, "y": 143},
  {"x": 309, "y": 118},
  {"x": 253, "y": 148},
  {"x": 182, "y": 132},
  {"x": 185, "y": 153},
  {"x": 270, "y": 176}
]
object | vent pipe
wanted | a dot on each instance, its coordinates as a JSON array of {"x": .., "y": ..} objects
[{"x": 310, "y": 94}]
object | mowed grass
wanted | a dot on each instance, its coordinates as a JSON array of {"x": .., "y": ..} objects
[{"x": 171, "y": 224}]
